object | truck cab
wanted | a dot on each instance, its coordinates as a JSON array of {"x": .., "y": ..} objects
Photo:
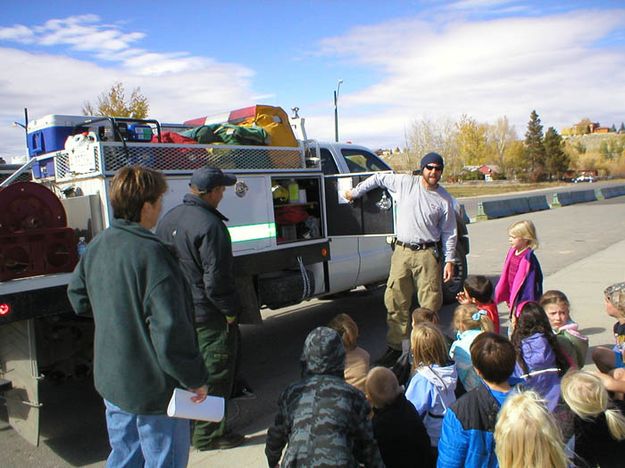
[{"x": 361, "y": 253}]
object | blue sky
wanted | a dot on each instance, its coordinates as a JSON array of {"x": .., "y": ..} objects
[{"x": 400, "y": 61}]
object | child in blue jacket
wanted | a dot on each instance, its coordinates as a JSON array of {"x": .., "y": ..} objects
[
  {"x": 467, "y": 436},
  {"x": 432, "y": 387}
]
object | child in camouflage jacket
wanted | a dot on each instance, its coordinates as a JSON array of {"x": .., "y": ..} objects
[{"x": 322, "y": 420}]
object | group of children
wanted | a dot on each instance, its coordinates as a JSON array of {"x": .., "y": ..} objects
[{"x": 481, "y": 399}]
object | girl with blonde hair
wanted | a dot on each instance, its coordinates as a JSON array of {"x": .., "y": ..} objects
[
  {"x": 432, "y": 387},
  {"x": 356, "y": 359},
  {"x": 599, "y": 422},
  {"x": 527, "y": 436},
  {"x": 469, "y": 322},
  {"x": 521, "y": 278}
]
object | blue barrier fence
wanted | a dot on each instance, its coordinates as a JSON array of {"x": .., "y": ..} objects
[
  {"x": 580, "y": 196},
  {"x": 514, "y": 206},
  {"x": 611, "y": 192}
]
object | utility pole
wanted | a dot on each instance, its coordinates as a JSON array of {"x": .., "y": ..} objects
[{"x": 336, "y": 111}]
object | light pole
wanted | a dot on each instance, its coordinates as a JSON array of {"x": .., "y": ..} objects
[
  {"x": 25, "y": 124},
  {"x": 336, "y": 111}
]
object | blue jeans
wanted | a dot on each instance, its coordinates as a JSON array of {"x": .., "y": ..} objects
[{"x": 139, "y": 440}]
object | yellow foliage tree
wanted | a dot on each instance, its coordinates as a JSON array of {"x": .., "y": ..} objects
[
  {"x": 473, "y": 146},
  {"x": 114, "y": 104}
]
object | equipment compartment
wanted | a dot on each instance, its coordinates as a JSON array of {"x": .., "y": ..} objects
[{"x": 297, "y": 209}]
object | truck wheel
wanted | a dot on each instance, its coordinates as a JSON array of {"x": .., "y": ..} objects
[
  {"x": 454, "y": 286},
  {"x": 284, "y": 288}
]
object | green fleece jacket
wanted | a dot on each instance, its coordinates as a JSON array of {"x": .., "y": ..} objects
[{"x": 145, "y": 343}]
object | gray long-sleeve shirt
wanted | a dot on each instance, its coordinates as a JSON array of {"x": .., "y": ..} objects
[{"x": 422, "y": 215}]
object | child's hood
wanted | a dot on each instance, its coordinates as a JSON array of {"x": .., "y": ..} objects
[
  {"x": 442, "y": 377},
  {"x": 573, "y": 329},
  {"x": 537, "y": 352},
  {"x": 470, "y": 334},
  {"x": 324, "y": 352}
]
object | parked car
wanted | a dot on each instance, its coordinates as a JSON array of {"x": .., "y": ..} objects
[{"x": 583, "y": 178}]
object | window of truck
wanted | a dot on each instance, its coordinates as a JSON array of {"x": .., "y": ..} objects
[
  {"x": 328, "y": 166},
  {"x": 363, "y": 161}
]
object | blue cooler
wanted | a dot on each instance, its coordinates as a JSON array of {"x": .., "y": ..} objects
[
  {"x": 48, "y": 135},
  {"x": 139, "y": 133}
]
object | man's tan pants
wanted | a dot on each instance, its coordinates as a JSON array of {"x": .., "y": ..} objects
[{"x": 411, "y": 271}]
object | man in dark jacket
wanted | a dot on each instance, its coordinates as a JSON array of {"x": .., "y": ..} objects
[
  {"x": 323, "y": 419},
  {"x": 145, "y": 344},
  {"x": 197, "y": 230}
]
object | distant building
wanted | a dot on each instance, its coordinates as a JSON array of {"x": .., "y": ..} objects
[
  {"x": 489, "y": 169},
  {"x": 486, "y": 170},
  {"x": 595, "y": 127}
]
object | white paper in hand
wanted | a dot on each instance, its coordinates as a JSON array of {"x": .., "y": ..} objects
[
  {"x": 181, "y": 406},
  {"x": 343, "y": 184}
]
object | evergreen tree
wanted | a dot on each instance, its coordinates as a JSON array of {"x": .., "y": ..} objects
[
  {"x": 613, "y": 128},
  {"x": 621, "y": 128},
  {"x": 534, "y": 148},
  {"x": 556, "y": 160}
]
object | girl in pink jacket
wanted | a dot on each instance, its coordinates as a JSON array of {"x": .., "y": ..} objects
[{"x": 522, "y": 278}]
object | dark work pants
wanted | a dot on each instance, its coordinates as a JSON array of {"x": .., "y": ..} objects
[{"x": 218, "y": 344}]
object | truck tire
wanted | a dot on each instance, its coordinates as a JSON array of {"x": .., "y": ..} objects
[
  {"x": 284, "y": 288},
  {"x": 453, "y": 287}
]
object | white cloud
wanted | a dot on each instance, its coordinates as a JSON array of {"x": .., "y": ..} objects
[
  {"x": 48, "y": 84},
  {"x": 485, "y": 69},
  {"x": 18, "y": 33},
  {"x": 480, "y": 4},
  {"x": 178, "y": 85}
]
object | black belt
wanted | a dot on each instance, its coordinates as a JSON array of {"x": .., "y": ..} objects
[{"x": 425, "y": 245}]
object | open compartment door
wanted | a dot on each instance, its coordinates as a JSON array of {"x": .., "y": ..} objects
[
  {"x": 372, "y": 214},
  {"x": 18, "y": 364}
]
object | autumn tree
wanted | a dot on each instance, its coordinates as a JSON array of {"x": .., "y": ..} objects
[
  {"x": 440, "y": 136},
  {"x": 114, "y": 103},
  {"x": 534, "y": 148},
  {"x": 500, "y": 136},
  {"x": 472, "y": 142},
  {"x": 556, "y": 160},
  {"x": 612, "y": 148},
  {"x": 514, "y": 159},
  {"x": 583, "y": 126}
]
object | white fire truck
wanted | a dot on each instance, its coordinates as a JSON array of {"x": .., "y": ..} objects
[{"x": 294, "y": 237}]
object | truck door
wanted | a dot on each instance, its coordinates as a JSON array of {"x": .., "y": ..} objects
[{"x": 360, "y": 253}]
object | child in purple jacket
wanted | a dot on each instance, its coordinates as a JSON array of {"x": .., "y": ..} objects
[{"x": 540, "y": 361}]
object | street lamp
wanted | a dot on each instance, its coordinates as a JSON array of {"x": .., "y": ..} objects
[{"x": 336, "y": 111}]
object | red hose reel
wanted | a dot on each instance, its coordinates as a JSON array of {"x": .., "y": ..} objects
[{"x": 34, "y": 237}]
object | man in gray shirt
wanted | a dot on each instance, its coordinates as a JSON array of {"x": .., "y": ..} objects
[{"x": 425, "y": 216}]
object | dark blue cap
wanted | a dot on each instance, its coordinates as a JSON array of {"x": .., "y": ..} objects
[
  {"x": 432, "y": 158},
  {"x": 207, "y": 178}
]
